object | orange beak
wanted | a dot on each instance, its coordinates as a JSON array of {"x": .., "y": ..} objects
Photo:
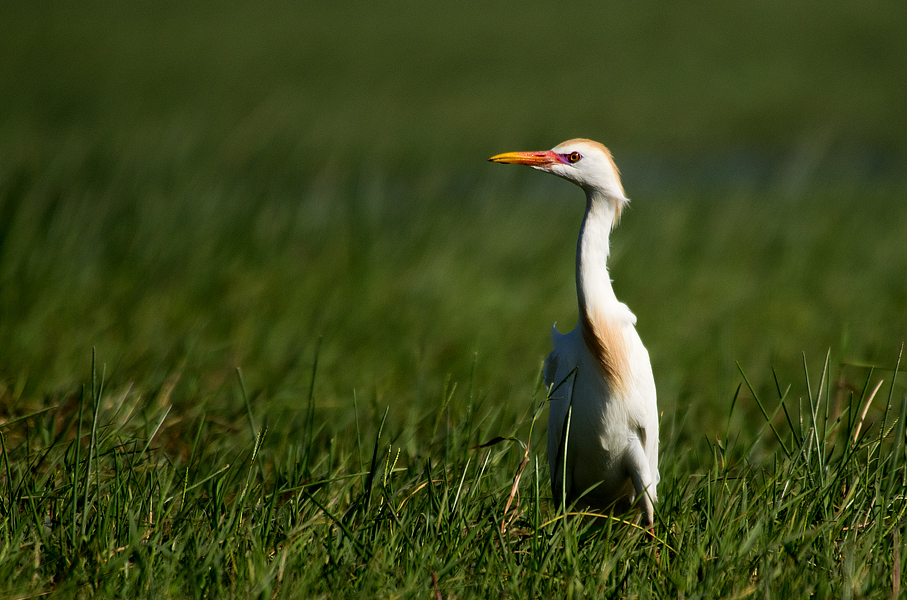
[{"x": 532, "y": 159}]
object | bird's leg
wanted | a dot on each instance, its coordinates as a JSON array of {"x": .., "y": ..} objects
[{"x": 641, "y": 476}]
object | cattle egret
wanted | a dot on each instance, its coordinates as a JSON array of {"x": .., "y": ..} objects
[{"x": 603, "y": 418}]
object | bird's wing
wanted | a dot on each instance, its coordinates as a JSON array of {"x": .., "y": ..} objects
[
  {"x": 637, "y": 464},
  {"x": 559, "y": 378},
  {"x": 644, "y": 412}
]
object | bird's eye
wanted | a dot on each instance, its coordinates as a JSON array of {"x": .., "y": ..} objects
[{"x": 574, "y": 157}]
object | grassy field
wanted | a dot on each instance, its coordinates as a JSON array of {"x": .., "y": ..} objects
[{"x": 262, "y": 300}]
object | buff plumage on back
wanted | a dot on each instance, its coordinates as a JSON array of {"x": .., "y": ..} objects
[{"x": 605, "y": 339}]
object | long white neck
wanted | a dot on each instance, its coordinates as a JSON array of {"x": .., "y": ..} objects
[
  {"x": 593, "y": 284},
  {"x": 601, "y": 316}
]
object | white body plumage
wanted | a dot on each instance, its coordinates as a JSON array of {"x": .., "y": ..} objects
[{"x": 599, "y": 373}]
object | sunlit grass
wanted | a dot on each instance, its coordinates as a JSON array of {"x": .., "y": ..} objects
[{"x": 114, "y": 493}]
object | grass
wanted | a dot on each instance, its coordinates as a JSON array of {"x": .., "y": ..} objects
[
  {"x": 261, "y": 315},
  {"x": 109, "y": 493}
]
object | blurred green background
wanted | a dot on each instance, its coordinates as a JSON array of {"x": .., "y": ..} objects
[
  {"x": 195, "y": 187},
  {"x": 361, "y": 82}
]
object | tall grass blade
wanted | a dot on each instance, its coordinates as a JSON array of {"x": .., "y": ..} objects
[
  {"x": 768, "y": 420},
  {"x": 373, "y": 469},
  {"x": 310, "y": 412}
]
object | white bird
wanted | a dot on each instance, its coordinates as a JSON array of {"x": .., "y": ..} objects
[{"x": 599, "y": 374}]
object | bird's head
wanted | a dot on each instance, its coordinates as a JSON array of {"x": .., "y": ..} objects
[{"x": 586, "y": 163}]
